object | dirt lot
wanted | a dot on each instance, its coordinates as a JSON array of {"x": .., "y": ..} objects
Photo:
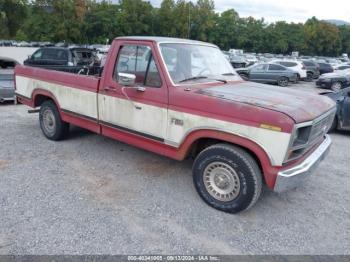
[{"x": 92, "y": 195}]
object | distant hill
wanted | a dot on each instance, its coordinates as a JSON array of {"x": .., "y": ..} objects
[{"x": 337, "y": 22}]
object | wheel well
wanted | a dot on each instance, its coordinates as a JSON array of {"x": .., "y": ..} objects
[
  {"x": 40, "y": 99},
  {"x": 203, "y": 143}
]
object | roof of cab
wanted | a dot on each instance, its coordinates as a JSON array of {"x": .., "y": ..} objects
[{"x": 159, "y": 39}]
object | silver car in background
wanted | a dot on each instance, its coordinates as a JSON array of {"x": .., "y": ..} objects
[{"x": 7, "y": 85}]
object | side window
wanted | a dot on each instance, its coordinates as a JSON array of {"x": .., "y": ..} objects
[
  {"x": 62, "y": 55},
  {"x": 259, "y": 68},
  {"x": 37, "y": 55},
  {"x": 153, "y": 77},
  {"x": 276, "y": 68},
  {"x": 50, "y": 54},
  {"x": 138, "y": 60}
]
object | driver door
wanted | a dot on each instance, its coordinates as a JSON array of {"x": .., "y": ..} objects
[
  {"x": 345, "y": 111},
  {"x": 143, "y": 111}
]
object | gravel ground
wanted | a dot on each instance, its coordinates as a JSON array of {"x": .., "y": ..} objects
[{"x": 93, "y": 195}]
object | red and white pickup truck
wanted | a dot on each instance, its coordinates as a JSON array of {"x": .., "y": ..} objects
[{"x": 181, "y": 98}]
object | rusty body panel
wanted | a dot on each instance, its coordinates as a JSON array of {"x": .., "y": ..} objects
[{"x": 301, "y": 106}]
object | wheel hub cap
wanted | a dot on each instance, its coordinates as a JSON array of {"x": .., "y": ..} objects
[
  {"x": 49, "y": 121},
  {"x": 221, "y": 181}
]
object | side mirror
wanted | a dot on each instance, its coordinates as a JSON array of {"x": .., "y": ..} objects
[{"x": 125, "y": 79}]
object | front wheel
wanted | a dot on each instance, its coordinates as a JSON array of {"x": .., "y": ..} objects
[
  {"x": 51, "y": 123},
  {"x": 227, "y": 178}
]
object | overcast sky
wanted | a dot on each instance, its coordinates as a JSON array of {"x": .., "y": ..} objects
[{"x": 287, "y": 10}]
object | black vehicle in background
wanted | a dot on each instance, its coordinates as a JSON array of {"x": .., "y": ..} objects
[
  {"x": 325, "y": 68},
  {"x": 312, "y": 69},
  {"x": 268, "y": 73},
  {"x": 73, "y": 60},
  {"x": 335, "y": 81},
  {"x": 342, "y": 118}
]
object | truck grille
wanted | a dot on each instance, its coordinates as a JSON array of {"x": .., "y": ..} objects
[{"x": 321, "y": 127}]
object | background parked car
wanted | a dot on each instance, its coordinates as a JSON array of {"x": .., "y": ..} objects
[
  {"x": 341, "y": 67},
  {"x": 312, "y": 69},
  {"x": 65, "y": 59},
  {"x": 325, "y": 68},
  {"x": 7, "y": 89},
  {"x": 268, "y": 73},
  {"x": 297, "y": 66},
  {"x": 251, "y": 59},
  {"x": 238, "y": 61},
  {"x": 342, "y": 119},
  {"x": 335, "y": 81}
]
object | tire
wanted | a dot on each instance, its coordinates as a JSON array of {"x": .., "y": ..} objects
[
  {"x": 227, "y": 169},
  {"x": 310, "y": 76},
  {"x": 283, "y": 81},
  {"x": 51, "y": 123},
  {"x": 336, "y": 86}
]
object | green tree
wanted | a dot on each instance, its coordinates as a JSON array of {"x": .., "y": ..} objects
[
  {"x": 227, "y": 29},
  {"x": 15, "y": 14},
  {"x": 345, "y": 38},
  {"x": 322, "y": 38},
  {"x": 166, "y": 19},
  {"x": 203, "y": 21},
  {"x": 3, "y": 25}
]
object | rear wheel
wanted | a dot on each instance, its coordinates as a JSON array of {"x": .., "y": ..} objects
[
  {"x": 283, "y": 81},
  {"x": 51, "y": 123},
  {"x": 227, "y": 178},
  {"x": 336, "y": 86},
  {"x": 310, "y": 76}
]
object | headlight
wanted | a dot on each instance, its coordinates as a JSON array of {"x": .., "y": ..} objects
[
  {"x": 301, "y": 136},
  {"x": 299, "y": 142}
]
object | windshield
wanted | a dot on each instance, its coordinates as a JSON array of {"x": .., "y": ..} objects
[{"x": 196, "y": 63}]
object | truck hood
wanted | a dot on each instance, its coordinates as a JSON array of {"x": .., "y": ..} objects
[{"x": 300, "y": 106}]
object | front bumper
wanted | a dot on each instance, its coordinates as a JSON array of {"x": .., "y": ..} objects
[{"x": 292, "y": 177}]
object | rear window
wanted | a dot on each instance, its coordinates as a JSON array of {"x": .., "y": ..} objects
[
  {"x": 308, "y": 63},
  {"x": 288, "y": 64},
  {"x": 54, "y": 54},
  {"x": 324, "y": 65},
  {"x": 83, "y": 54}
]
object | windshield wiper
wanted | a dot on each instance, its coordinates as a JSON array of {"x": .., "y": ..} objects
[
  {"x": 193, "y": 78},
  {"x": 229, "y": 74},
  {"x": 202, "y": 77}
]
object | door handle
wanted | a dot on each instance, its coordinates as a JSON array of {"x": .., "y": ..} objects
[{"x": 109, "y": 88}]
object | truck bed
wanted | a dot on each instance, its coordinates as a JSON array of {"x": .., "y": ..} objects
[{"x": 75, "y": 94}]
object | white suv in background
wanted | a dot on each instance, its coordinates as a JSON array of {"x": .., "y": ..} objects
[{"x": 295, "y": 65}]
